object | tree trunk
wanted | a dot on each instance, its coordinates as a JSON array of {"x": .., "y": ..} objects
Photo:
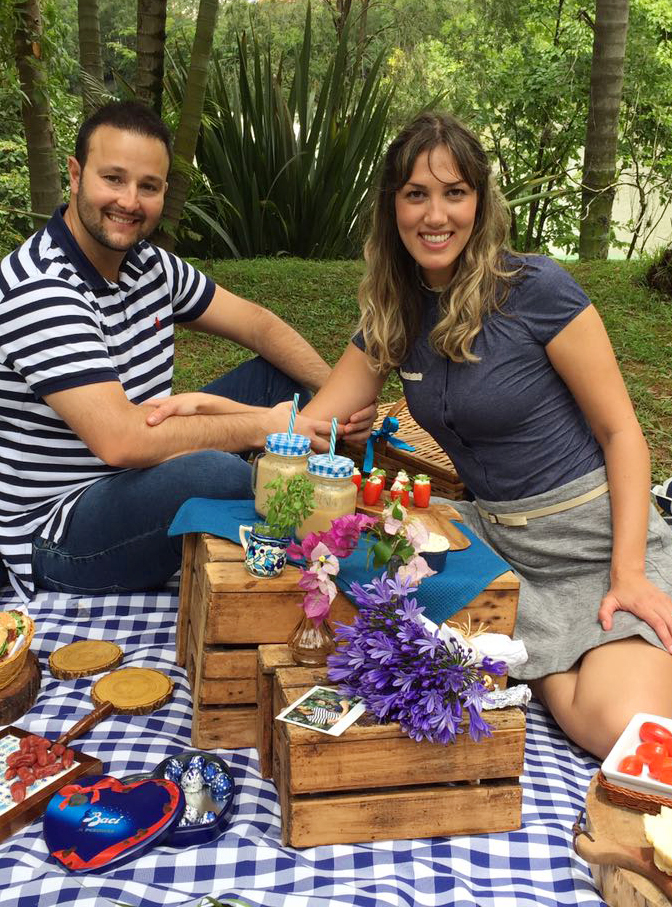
[
  {"x": 599, "y": 163},
  {"x": 90, "y": 55},
  {"x": 45, "y": 180},
  {"x": 186, "y": 136},
  {"x": 151, "y": 41}
]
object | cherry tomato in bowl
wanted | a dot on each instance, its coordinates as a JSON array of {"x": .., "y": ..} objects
[
  {"x": 652, "y": 732},
  {"x": 660, "y": 765},
  {"x": 631, "y": 765},
  {"x": 649, "y": 751}
]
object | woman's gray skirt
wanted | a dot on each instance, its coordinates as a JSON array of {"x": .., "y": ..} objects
[{"x": 563, "y": 562}]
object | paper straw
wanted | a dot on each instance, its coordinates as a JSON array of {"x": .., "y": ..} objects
[
  {"x": 292, "y": 415},
  {"x": 332, "y": 439}
]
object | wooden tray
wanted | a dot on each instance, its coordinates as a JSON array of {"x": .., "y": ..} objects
[
  {"x": 33, "y": 806},
  {"x": 620, "y": 857},
  {"x": 436, "y": 517}
]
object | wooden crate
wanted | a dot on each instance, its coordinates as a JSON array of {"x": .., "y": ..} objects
[
  {"x": 375, "y": 783},
  {"x": 225, "y": 614}
]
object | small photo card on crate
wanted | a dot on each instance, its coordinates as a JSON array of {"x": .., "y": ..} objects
[{"x": 324, "y": 709}]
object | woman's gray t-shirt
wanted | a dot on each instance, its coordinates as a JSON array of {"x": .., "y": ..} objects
[{"x": 508, "y": 422}]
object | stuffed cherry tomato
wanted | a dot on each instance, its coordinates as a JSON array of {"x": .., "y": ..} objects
[
  {"x": 422, "y": 490},
  {"x": 400, "y": 492},
  {"x": 656, "y": 733},
  {"x": 631, "y": 765},
  {"x": 357, "y": 478},
  {"x": 373, "y": 488},
  {"x": 382, "y": 475}
]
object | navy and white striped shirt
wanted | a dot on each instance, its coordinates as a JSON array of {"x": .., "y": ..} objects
[{"x": 63, "y": 325}]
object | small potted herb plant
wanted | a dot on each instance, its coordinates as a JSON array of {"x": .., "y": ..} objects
[{"x": 289, "y": 503}]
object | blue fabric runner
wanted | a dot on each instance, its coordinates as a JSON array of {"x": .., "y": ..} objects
[{"x": 467, "y": 572}]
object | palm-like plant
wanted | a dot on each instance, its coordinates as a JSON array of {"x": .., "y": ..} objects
[{"x": 292, "y": 164}]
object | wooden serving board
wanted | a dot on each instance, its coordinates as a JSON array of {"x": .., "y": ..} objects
[
  {"x": 23, "y": 813},
  {"x": 436, "y": 517},
  {"x": 20, "y": 694},
  {"x": 620, "y": 857}
]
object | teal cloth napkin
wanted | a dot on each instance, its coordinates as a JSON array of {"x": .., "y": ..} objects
[{"x": 466, "y": 574}]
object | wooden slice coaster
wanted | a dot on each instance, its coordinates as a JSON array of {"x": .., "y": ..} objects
[
  {"x": 20, "y": 694},
  {"x": 133, "y": 691},
  {"x": 84, "y": 658}
]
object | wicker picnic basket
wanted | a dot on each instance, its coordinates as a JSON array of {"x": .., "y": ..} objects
[
  {"x": 427, "y": 457},
  {"x": 12, "y": 666}
]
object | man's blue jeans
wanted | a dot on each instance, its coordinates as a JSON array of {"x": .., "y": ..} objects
[{"x": 115, "y": 539}]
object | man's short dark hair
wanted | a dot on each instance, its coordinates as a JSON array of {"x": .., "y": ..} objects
[{"x": 132, "y": 116}]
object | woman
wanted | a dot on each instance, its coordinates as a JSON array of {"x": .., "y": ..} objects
[{"x": 507, "y": 364}]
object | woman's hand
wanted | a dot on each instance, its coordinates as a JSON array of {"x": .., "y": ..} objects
[
  {"x": 635, "y": 593},
  {"x": 358, "y": 427}
]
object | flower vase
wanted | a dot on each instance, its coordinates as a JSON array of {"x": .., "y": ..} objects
[{"x": 310, "y": 643}]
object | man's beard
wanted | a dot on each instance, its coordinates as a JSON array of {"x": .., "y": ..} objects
[{"x": 92, "y": 221}]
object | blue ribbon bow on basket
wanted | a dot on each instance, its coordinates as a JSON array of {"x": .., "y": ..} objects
[{"x": 384, "y": 433}]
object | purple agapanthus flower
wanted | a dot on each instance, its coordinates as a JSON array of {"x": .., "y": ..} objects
[{"x": 403, "y": 671}]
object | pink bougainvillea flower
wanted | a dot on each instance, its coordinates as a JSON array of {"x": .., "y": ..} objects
[
  {"x": 345, "y": 531},
  {"x": 393, "y": 517},
  {"x": 417, "y": 534},
  {"x": 316, "y": 604},
  {"x": 323, "y": 562},
  {"x": 304, "y": 548},
  {"x": 415, "y": 570}
]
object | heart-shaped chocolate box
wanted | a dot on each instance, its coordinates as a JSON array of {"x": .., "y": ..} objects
[{"x": 100, "y": 821}]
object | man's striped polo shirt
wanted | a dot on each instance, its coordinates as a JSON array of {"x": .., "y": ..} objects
[{"x": 63, "y": 325}]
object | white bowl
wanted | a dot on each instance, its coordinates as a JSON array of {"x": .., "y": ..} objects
[{"x": 626, "y": 745}]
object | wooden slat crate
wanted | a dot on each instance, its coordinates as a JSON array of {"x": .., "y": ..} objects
[
  {"x": 375, "y": 783},
  {"x": 427, "y": 457},
  {"x": 225, "y": 614}
]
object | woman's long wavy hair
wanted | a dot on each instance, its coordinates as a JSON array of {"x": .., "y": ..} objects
[{"x": 390, "y": 293}]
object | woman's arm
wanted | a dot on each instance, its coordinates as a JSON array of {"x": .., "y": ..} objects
[
  {"x": 583, "y": 357},
  {"x": 350, "y": 389}
]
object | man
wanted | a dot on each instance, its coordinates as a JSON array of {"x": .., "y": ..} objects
[{"x": 89, "y": 479}]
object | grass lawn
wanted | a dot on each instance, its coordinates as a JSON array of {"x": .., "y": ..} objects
[{"x": 319, "y": 298}]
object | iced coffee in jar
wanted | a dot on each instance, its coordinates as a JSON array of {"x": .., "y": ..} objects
[
  {"x": 285, "y": 455},
  {"x": 335, "y": 492}
]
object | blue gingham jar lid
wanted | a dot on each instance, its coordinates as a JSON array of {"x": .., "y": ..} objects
[
  {"x": 336, "y": 468},
  {"x": 287, "y": 445}
]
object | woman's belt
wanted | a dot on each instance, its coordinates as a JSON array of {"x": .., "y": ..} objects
[{"x": 520, "y": 517}]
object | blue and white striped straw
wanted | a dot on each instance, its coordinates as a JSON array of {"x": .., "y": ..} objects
[
  {"x": 292, "y": 415},
  {"x": 332, "y": 438}
]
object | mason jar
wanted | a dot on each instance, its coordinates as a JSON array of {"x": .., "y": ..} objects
[
  {"x": 284, "y": 456},
  {"x": 335, "y": 492}
]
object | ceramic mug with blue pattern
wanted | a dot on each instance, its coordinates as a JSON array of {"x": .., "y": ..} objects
[{"x": 265, "y": 555}]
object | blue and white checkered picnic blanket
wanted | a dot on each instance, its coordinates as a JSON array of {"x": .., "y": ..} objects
[{"x": 533, "y": 866}]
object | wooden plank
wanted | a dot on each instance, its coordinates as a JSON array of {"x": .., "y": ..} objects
[
  {"x": 229, "y": 663},
  {"x": 417, "y": 812},
  {"x": 263, "y": 617},
  {"x": 186, "y": 582},
  {"x": 228, "y": 692},
  {"x": 346, "y": 763},
  {"x": 496, "y": 606},
  {"x": 224, "y": 728}
]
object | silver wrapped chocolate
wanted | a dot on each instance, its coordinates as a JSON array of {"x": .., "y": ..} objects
[{"x": 191, "y": 781}]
